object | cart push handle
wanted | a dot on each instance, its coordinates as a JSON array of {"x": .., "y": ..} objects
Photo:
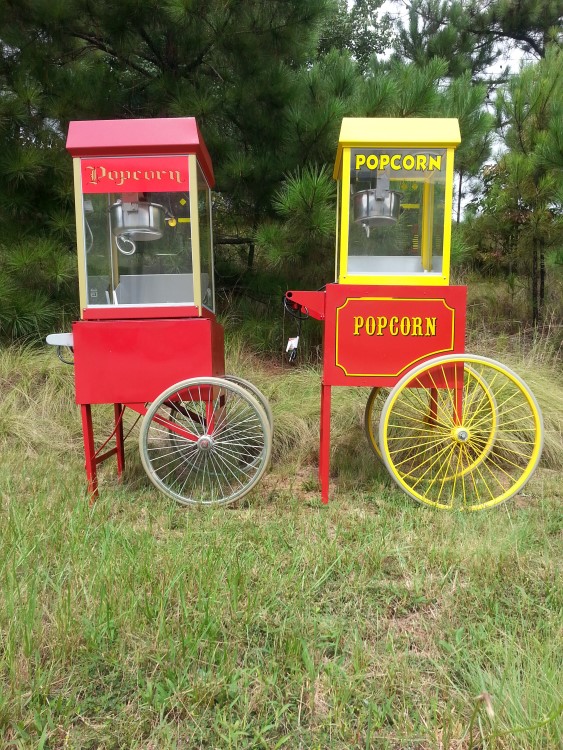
[
  {"x": 302, "y": 305},
  {"x": 61, "y": 341}
]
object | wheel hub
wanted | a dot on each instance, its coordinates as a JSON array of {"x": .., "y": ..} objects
[
  {"x": 205, "y": 443},
  {"x": 461, "y": 434}
]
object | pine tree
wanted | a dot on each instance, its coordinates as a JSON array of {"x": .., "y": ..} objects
[
  {"x": 472, "y": 35},
  {"x": 532, "y": 107},
  {"x": 520, "y": 224},
  {"x": 360, "y": 28},
  {"x": 233, "y": 65},
  {"x": 465, "y": 100},
  {"x": 37, "y": 261},
  {"x": 436, "y": 28}
]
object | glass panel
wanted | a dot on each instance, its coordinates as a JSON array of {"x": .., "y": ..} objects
[
  {"x": 97, "y": 246},
  {"x": 138, "y": 248},
  {"x": 396, "y": 222},
  {"x": 205, "y": 241}
]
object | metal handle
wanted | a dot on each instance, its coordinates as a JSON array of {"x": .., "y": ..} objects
[{"x": 123, "y": 238}]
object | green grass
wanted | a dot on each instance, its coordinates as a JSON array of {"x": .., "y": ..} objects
[{"x": 371, "y": 623}]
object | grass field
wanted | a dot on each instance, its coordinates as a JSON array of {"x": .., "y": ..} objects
[{"x": 371, "y": 623}]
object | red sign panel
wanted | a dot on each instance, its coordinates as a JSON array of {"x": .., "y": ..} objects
[
  {"x": 367, "y": 328},
  {"x": 137, "y": 174},
  {"x": 372, "y": 337}
]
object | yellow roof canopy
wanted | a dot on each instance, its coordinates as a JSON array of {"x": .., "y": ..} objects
[{"x": 404, "y": 132}]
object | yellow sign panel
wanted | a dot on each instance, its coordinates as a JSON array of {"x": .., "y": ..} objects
[{"x": 398, "y": 162}]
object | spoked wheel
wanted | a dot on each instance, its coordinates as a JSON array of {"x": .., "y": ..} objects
[
  {"x": 258, "y": 395},
  {"x": 479, "y": 445},
  {"x": 372, "y": 415},
  {"x": 378, "y": 396},
  {"x": 205, "y": 441}
]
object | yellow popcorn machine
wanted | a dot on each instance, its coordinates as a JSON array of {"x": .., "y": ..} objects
[{"x": 453, "y": 429}]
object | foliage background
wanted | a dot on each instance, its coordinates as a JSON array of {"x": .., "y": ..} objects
[{"x": 269, "y": 83}]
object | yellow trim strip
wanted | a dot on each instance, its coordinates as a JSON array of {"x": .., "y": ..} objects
[
  {"x": 448, "y": 202},
  {"x": 80, "y": 236},
  {"x": 194, "y": 214},
  {"x": 414, "y": 361},
  {"x": 338, "y": 202},
  {"x": 427, "y": 225},
  {"x": 345, "y": 206},
  {"x": 423, "y": 279}
]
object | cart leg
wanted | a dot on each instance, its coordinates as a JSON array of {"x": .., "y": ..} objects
[
  {"x": 433, "y": 408},
  {"x": 458, "y": 394},
  {"x": 89, "y": 451},
  {"x": 324, "y": 454},
  {"x": 118, "y": 410}
]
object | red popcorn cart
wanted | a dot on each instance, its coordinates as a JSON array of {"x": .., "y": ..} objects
[
  {"x": 148, "y": 339},
  {"x": 453, "y": 429}
]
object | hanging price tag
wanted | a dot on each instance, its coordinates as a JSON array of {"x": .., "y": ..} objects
[{"x": 292, "y": 348}]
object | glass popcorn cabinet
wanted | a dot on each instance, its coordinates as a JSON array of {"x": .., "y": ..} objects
[
  {"x": 143, "y": 221},
  {"x": 395, "y": 201}
]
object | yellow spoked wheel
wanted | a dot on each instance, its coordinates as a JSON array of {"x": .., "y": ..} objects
[
  {"x": 477, "y": 445},
  {"x": 378, "y": 396}
]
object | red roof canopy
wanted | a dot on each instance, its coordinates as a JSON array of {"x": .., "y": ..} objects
[{"x": 164, "y": 135}]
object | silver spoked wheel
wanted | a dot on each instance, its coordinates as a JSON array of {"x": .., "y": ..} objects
[
  {"x": 372, "y": 415},
  {"x": 205, "y": 441},
  {"x": 258, "y": 395}
]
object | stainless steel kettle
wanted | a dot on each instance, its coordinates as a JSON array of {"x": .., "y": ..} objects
[
  {"x": 139, "y": 222},
  {"x": 377, "y": 206}
]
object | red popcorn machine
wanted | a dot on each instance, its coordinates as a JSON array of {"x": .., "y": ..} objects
[{"x": 148, "y": 339}]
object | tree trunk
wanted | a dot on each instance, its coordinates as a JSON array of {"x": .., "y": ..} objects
[
  {"x": 459, "y": 198},
  {"x": 535, "y": 286},
  {"x": 250, "y": 261},
  {"x": 542, "y": 284}
]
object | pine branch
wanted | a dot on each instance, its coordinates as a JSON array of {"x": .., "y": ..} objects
[{"x": 98, "y": 44}]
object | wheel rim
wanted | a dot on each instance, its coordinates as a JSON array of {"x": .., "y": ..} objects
[
  {"x": 374, "y": 408},
  {"x": 486, "y": 440},
  {"x": 258, "y": 395},
  {"x": 376, "y": 402},
  {"x": 372, "y": 415},
  {"x": 478, "y": 397},
  {"x": 205, "y": 441}
]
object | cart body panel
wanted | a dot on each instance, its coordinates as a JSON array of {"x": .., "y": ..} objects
[
  {"x": 374, "y": 334},
  {"x": 133, "y": 361}
]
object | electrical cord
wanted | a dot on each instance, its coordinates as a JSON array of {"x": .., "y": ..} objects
[
  {"x": 299, "y": 313},
  {"x": 60, "y": 354}
]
